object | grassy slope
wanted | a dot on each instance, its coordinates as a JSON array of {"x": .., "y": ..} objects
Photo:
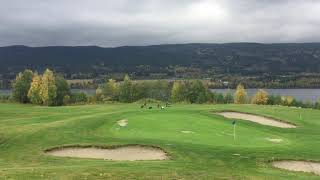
[{"x": 25, "y": 131}]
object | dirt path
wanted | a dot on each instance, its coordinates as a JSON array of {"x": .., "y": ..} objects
[
  {"x": 128, "y": 153},
  {"x": 303, "y": 166},
  {"x": 257, "y": 119}
]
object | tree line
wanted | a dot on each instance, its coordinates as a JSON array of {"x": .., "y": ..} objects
[
  {"x": 189, "y": 91},
  {"x": 47, "y": 89},
  {"x": 51, "y": 89}
]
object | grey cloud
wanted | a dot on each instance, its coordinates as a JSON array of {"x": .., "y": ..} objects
[{"x": 144, "y": 22}]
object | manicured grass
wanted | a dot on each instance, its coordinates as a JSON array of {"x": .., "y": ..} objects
[{"x": 206, "y": 153}]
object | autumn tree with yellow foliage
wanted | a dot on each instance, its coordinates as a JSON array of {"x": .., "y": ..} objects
[
  {"x": 287, "y": 100},
  {"x": 261, "y": 97},
  {"x": 34, "y": 91},
  {"x": 240, "y": 96},
  {"x": 48, "y": 90}
]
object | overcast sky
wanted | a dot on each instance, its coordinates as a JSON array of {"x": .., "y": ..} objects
[{"x": 144, "y": 22}]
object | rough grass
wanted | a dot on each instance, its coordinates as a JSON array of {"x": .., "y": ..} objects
[{"x": 208, "y": 153}]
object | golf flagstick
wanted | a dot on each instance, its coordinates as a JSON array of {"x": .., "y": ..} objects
[{"x": 234, "y": 130}]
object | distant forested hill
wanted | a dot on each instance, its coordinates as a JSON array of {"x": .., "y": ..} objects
[{"x": 185, "y": 60}]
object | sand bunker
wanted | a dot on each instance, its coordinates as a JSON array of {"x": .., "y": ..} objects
[
  {"x": 274, "y": 140},
  {"x": 122, "y": 123},
  {"x": 257, "y": 119},
  {"x": 125, "y": 153},
  {"x": 303, "y": 166},
  {"x": 187, "y": 132}
]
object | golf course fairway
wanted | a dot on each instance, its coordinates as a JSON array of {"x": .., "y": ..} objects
[{"x": 199, "y": 143}]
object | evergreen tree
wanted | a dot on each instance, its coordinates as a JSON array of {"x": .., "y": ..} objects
[
  {"x": 197, "y": 92},
  {"x": 62, "y": 90},
  {"x": 274, "y": 100},
  {"x": 240, "y": 96},
  {"x": 216, "y": 98},
  {"x": 79, "y": 98},
  {"x": 21, "y": 86}
]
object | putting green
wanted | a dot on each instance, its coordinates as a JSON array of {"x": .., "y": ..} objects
[{"x": 200, "y": 143}]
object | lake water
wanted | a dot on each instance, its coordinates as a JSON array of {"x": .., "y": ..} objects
[
  {"x": 300, "y": 94},
  {"x": 5, "y": 91}
]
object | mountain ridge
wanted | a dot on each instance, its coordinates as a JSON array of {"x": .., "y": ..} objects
[{"x": 248, "y": 58}]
